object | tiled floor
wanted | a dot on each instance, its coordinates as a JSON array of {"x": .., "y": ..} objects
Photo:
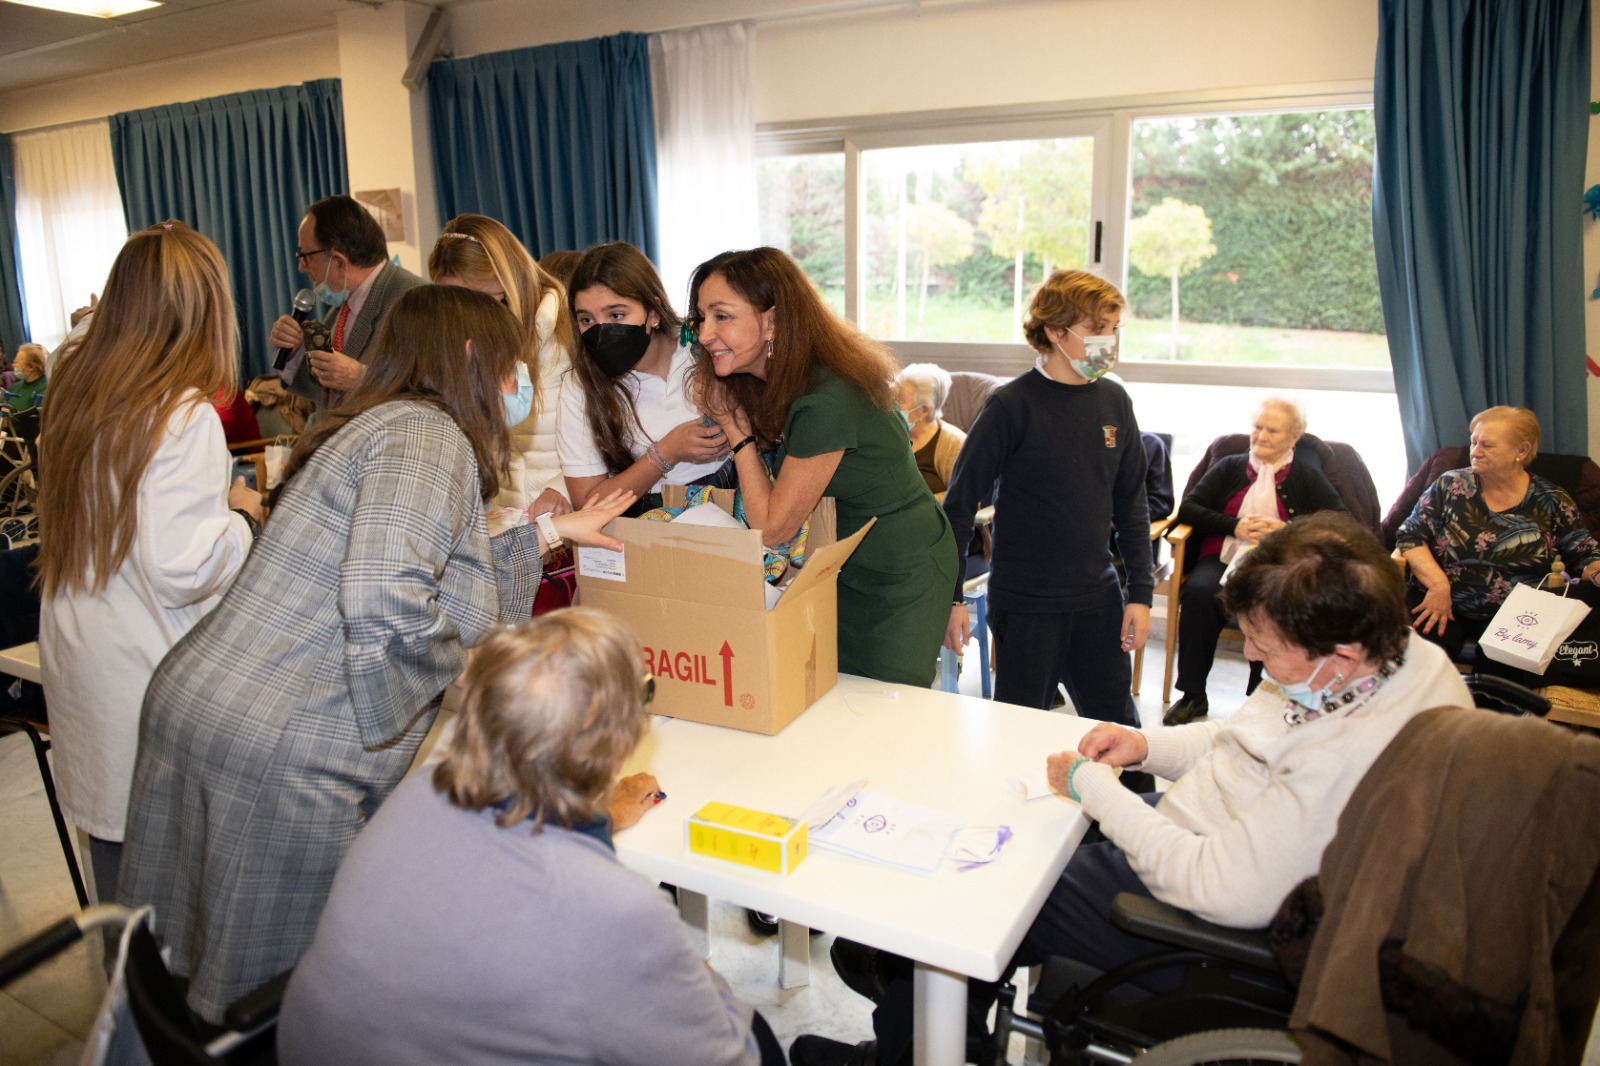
[{"x": 45, "y": 1016}]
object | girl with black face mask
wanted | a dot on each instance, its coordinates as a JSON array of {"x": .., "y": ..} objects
[{"x": 628, "y": 419}]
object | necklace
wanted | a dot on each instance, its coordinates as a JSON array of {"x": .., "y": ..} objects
[{"x": 1348, "y": 700}]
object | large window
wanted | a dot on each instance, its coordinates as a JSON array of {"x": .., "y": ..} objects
[
  {"x": 1240, "y": 230},
  {"x": 1249, "y": 241},
  {"x": 957, "y": 235},
  {"x": 801, "y": 201}
]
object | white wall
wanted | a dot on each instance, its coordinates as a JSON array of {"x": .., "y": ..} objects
[
  {"x": 963, "y": 56},
  {"x": 263, "y": 65},
  {"x": 869, "y": 62}
]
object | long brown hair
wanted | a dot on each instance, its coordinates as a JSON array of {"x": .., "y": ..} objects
[
  {"x": 479, "y": 250},
  {"x": 165, "y": 326},
  {"x": 422, "y": 345},
  {"x": 624, "y": 270},
  {"x": 805, "y": 334}
]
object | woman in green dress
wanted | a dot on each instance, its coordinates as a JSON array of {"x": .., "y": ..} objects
[{"x": 782, "y": 374}]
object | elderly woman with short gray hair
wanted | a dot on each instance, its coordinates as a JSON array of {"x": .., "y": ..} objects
[
  {"x": 1236, "y": 502},
  {"x": 922, "y": 389}
]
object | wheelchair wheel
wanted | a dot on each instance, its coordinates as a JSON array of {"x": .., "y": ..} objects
[
  {"x": 1224, "y": 1047},
  {"x": 17, "y": 516}
]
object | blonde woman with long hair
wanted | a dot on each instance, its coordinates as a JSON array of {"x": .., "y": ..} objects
[
  {"x": 476, "y": 252},
  {"x": 140, "y": 531}
]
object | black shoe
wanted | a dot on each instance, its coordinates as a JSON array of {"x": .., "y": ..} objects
[
  {"x": 1186, "y": 710},
  {"x": 809, "y": 1050},
  {"x": 767, "y": 924},
  {"x": 862, "y": 969}
]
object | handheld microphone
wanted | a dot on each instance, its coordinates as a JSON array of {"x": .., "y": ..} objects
[{"x": 305, "y": 301}]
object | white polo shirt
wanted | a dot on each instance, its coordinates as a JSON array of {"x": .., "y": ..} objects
[{"x": 662, "y": 407}]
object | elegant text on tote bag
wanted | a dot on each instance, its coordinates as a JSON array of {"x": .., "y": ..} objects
[{"x": 1528, "y": 628}]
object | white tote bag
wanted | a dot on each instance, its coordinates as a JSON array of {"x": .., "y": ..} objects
[
  {"x": 1528, "y": 628},
  {"x": 277, "y": 459}
]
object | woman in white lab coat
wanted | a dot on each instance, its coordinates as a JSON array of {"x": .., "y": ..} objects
[{"x": 140, "y": 530}]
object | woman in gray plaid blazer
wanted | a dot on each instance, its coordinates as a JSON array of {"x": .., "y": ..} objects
[{"x": 280, "y": 723}]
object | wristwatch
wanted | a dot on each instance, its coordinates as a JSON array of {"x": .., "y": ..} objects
[{"x": 547, "y": 530}]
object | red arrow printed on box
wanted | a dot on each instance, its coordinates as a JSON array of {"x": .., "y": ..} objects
[{"x": 727, "y": 674}]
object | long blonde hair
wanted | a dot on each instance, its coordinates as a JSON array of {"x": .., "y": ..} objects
[
  {"x": 478, "y": 250},
  {"x": 165, "y": 325}
]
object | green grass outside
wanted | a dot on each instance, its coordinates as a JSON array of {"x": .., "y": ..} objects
[{"x": 960, "y": 318}]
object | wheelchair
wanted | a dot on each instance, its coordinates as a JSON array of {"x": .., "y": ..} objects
[
  {"x": 143, "y": 1018},
  {"x": 1229, "y": 1001},
  {"x": 19, "y": 440}
]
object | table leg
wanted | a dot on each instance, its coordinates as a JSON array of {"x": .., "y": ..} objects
[
  {"x": 794, "y": 964},
  {"x": 940, "y": 1028},
  {"x": 695, "y": 912}
]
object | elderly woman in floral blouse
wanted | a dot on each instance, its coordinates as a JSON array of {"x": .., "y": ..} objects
[{"x": 1477, "y": 531}]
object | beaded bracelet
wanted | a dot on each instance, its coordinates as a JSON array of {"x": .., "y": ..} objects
[
  {"x": 249, "y": 521},
  {"x": 654, "y": 452},
  {"x": 1072, "y": 793}
]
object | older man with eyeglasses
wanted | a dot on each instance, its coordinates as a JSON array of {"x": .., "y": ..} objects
[{"x": 343, "y": 251}]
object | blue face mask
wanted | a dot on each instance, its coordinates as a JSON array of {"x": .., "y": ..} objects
[
  {"x": 1302, "y": 693},
  {"x": 334, "y": 300},
  {"x": 519, "y": 404}
]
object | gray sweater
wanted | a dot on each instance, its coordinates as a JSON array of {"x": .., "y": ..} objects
[{"x": 450, "y": 940}]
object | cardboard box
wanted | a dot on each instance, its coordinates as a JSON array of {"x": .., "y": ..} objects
[
  {"x": 749, "y": 838},
  {"x": 697, "y": 599}
]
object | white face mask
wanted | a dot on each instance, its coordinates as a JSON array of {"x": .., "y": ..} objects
[{"x": 1099, "y": 355}]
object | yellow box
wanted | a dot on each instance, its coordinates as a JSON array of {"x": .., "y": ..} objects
[{"x": 749, "y": 838}]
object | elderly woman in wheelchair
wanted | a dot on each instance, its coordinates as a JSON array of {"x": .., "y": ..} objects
[{"x": 1255, "y": 798}]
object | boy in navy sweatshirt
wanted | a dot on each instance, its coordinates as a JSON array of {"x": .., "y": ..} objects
[{"x": 1060, "y": 447}]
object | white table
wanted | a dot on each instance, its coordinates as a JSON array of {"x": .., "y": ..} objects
[
  {"x": 22, "y": 661},
  {"x": 939, "y": 749}
]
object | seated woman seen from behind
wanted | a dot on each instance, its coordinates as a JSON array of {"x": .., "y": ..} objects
[
  {"x": 1231, "y": 508},
  {"x": 1480, "y": 530},
  {"x": 482, "y": 916}
]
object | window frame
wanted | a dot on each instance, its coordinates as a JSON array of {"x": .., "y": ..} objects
[{"x": 1110, "y": 122}]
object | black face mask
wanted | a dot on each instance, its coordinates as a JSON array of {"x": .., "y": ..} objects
[{"x": 616, "y": 346}]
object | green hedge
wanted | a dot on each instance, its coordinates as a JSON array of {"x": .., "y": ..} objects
[{"x": 1287, "y": 257}]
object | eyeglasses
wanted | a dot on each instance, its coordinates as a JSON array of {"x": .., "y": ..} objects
[
  {"x": 648, "y": 695},
  {"x": 301, "y": 257}
]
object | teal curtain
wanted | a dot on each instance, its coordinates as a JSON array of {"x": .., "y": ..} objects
[
  {"x": 241, "y": 169},
  {"x": 557, "y": 142},
  {"x": 13, "y": 315},
  {"x": 1482, "y": 123}
]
